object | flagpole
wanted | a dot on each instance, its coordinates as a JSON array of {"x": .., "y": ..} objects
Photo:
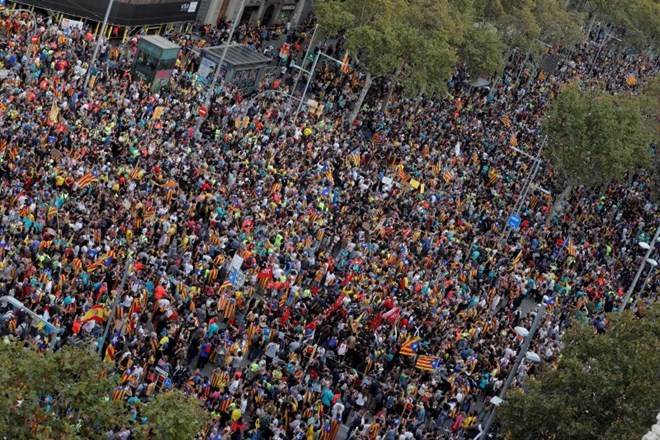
[{"x": 118, "y": 293}]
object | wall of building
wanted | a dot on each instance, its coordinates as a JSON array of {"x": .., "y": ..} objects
[
  {"x": 124, "y": 12},
  {"x": 267, "y": 12}
]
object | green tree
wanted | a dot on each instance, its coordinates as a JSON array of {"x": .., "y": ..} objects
[
  {"x": 527, "y": 25},
  {"x": 639, "y": 19},
  {"x": 55, "y": 395},
  {"x": 605, "y": 386},
  {"x": 481, "y": 49},
  {"x": 371, "y": 28},
  {"x": 412, "y": 41},
  {"x": 593, "y": 138},
  {"x": 173, "y": 415},
  {"x": 66, "y": 395}
]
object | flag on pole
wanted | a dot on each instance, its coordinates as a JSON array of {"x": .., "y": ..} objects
[
  {"x": 410, "y": 347},
  {"x": 505, "y": 120},
  {"x": 447, "y": 176}
]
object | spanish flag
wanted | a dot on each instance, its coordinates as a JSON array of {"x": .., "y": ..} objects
[
  {"x": 410, "y": 347},
  {"x": 96, "y": 313}
]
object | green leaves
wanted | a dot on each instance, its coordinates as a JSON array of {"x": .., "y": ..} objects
[
  {"x": 640, "y": 19},
  {"x": 594, "y": 138},
  {"x": 65, "y": 395},
  {"x": 604, "y": 386},
  {"x": 173, "y": 416}
]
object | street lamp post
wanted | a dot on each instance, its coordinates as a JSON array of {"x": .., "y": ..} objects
[
  {"x": 311, "y": 76},
  {"x": 649, "y": 251},
  {"x": 309, "y": 49},
  {"x": 115, "y": 303},
  {"x": 216, "y": 76},
  {"x": 97, "y": 47},
  {"x": 522, "y": 354},
  {"x": 506, "y": 231}
]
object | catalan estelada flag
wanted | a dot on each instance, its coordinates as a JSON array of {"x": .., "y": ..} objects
[
  {"x": 410, "y": 347},
  {"x": 571, "y": 248},
  {"x": 87, "y": 179},
  {"x": 427, "y": 363}
]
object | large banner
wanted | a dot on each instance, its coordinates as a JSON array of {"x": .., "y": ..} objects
[{"x": 124, "y": 12}]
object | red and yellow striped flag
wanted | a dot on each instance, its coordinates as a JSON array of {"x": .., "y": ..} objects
[
  {"x": 402, "y": 174},
  {"x": 571, "y": 248},
  {"x": 447, "y": 176},
  {"x": 426, "y": 362},
  {"x": 86, "y": 180},
  {"x": 505, "y": 120},
  {"x": 52, "y": 212},
  {"x": 329, "y": 176}
]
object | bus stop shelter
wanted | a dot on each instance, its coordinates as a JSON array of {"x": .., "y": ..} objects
[{"x": 242, "y": 67}]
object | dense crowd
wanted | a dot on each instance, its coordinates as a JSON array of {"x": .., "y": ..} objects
[{"x": 379, "y": 291}]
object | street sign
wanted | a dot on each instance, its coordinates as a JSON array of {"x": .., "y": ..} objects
[
  {"x": 203, "y": 111},
  {"x": 514, "y": 221},
  {"x": 167, "y": 383}
]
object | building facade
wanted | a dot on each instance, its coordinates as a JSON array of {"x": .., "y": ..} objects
[
  {"x": 266, "y": 12},
  {"x": 124, "y": 12}
]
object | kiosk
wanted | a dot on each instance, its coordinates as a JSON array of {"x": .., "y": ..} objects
[
  {"x": 242, "y": 67},
  {"x": 155, "y": 61}
]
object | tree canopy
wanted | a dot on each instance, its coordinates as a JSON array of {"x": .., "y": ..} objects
[
  {"x": 605, "y": 386},
  {"x": 529, "y": 24},
  {"x": 593, "y": 137},
  {"x": 66, "y": 395},
  {"x": 639, "y": 20}
]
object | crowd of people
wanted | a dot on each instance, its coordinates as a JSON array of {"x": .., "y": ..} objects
[{"x": 377, "y": 289}]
